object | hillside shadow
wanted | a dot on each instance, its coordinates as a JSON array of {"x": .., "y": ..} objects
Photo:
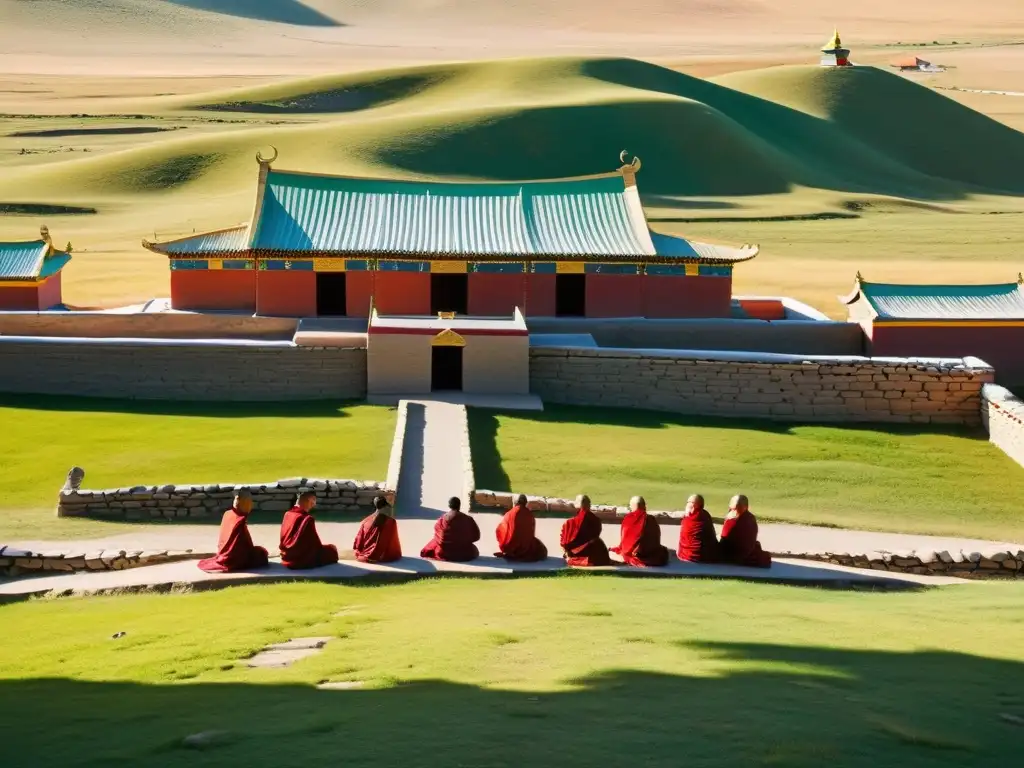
[
  {"x": 489, "y": 469},
  {"x": 766, "y": 705},
  {"x": 334, "y": 409},
  {"x": 280, "y": 11}
]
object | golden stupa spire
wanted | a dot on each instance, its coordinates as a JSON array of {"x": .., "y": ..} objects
[{"x": 835, "y": 43}]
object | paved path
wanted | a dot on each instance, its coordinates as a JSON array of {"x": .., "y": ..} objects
[{"x": 432, "y": 459}]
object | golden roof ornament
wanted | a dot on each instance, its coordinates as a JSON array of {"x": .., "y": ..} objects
[
  {"x": 68, "y": 248},
  {"x": 266, "y": 160},
  {"x": 44, "y": 232},
  {"x": 835, "y": 43},
  {"x": 629, "y": 165}
]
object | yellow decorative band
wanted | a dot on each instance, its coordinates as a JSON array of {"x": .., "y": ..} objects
[
  {"x": 692, "y": 270},
  {"x": 215, "y": 264},
  {"x": 329, "y": 265},
  {"x": 570, "y": 267},
  {"x": 21, "y": 283},
  {"x": 448, "y": 267}
]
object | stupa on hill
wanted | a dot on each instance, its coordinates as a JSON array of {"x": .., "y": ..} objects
[{"x": 833, "y": 54}]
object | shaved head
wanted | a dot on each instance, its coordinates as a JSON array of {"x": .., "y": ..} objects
[
  {"x": 637, "y": 502},
  {"x": 521, "y": 500},
  {"x": 695, "y": 502},
  {"x": 583, "y": 501},
  {"x": 739, "y": 503}
]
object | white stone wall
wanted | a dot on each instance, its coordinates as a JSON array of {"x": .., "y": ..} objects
[
  {"x": 784, "y": 387},
  {"x": 1003, "y": 414}
]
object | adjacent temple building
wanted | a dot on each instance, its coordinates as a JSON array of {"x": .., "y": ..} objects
[
  {"x": 30, "y": 274},
  {"x": 833, "y": 54},
  {"x": 321, "y": 245}
]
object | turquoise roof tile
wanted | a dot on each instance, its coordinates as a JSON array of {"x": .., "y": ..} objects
[
  {"x": 22, "y": 261},
  {"x": 589, "y": 216},
  {"x": 1001, "y": 301},
  {"x": 221, "y": 241}
]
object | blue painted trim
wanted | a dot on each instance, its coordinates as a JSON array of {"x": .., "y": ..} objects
[
  {"x": 184, "y": 264},
  {"x": 611, "y": 269},
  {"x": 498, "y": 267},
  {"x": 236, "y": 264},
  {"x": 287, "y": 265},
  {"x": 544, "y": 268},
  {"x": 713, "y": 270},
  {"x": 666, "y": 270},
  {"x": 403, "y": 266},
  {"x": 357, "y": 265}
]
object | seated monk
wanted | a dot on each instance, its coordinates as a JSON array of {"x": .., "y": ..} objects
[
  {"x": 739, "y": 544},
  {"x": 235, "y": 550},
  {"x": 697, "y": 540},
  {"x": 455, "y": 534},
  {"x": 300, "y": 544},
  {"x": 377, "y": 540},
  {"x": 581, "y": 538},
  {"x": 640, "y": 544},
  {"x": 517, "y": 539}
]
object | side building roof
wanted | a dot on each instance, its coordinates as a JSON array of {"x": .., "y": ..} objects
[
  {"x": 889, "y": 301},
  {"x": 31, "y": 260},
  {"x": 591, "y": 217}
]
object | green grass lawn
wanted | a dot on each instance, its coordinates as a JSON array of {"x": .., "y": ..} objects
[
  {"x": 905, "y": 479},
  {"x": 577, "y": 670},
  {"x": 126, "y": 443}
]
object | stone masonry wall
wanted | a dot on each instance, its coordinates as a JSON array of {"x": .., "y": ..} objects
[
  {"x": 783, "y": 387},
  {"x": 145, "y": 502},
  {"x": 994, "y": 564},
  {"x": 180, "y": 370},
  {"x": 1003, "y": 414}
]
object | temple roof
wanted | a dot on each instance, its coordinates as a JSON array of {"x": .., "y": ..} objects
[
  {"x": 31, "y": 259},
  {"x": 999, "y": 301},
  {"x": 590, "y": 217}
]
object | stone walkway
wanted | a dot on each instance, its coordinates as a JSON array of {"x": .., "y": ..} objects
[{"x": 434, "y": 458}]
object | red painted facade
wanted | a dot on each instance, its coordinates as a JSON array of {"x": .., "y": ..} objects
[
  {"x": 999, "y": 346},
  {"x": 402, "y": 293},
  {"x": 292, "y": 293},
  {"x": 31, "y": 297},
  {"x": 226, "y": 289},
  {"x": 668, "y": 296},
  {"x": 286, "y": 294},
  {"x": 495, "y": 295}
]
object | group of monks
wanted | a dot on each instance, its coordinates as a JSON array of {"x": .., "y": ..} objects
[{"x": 456, "y": 534}]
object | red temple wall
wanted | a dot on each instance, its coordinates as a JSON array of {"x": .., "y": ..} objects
[
  {"x": 201, "y": 289},
  {"x": 402, "y": 293},
  {"x": 670, "y": 296},
  {"x": 615, "y": 296},
  {"x": 50, "y": 292},
  {"x": 540, "y": 296},
  {"x": 358, "y": 292},
  {"x": 495, "y": 295},
  {"x": 19, "y": 298},
  {"x": 283, "y": 293},
  {"x": 1002, "y": 347}
]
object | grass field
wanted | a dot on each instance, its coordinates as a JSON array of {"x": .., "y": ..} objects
[
  {"x": 903, "y": 479},
  {"x": 126, "y": 443},
  {"x": 560, "y": 671}
]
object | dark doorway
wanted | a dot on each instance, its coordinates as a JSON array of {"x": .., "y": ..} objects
[
  {"x": 330, "y": 294},
  {"x": 571, "y": 295},
  {"x": 449, "y": 293},
  {"x": 446, "y": 368}
]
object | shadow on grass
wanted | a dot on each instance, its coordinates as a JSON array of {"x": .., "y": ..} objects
[
  {"x": 227, "y": 410},
  {"x": 767, "y": 705},
  {"x": 489, "y": 469}
]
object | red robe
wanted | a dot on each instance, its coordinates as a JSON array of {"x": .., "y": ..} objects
[
  {"x": 235, "y": 550},
  {"x": 581, "y": 541},
  {"x": 740, "y": 545},
  {"x": 641, "y": 541},
  {"x": 517, "y": 537},
  {"x": 377, "y": 540},
  {"x": 697, "y": 540},
  {"x": 300, "y": 544},
  {"x": 454, "y": 537}
]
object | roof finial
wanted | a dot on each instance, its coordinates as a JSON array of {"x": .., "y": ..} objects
[
  {"x": 860, "y": 278},
  {"x": 1020, "y": 278},
  {"x": 68, "y": 248},
  {"x": 632, "y": 165},
  {"x": 266, "y": 160},
  {"x": 44, "y": 232}
]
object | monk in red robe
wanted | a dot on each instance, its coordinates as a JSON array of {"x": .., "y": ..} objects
[
  {"x": 517, "y": 535},
  {"x": 301, "y": 547},
  {"x": 377, "y": 539},
  {"x": 455, "y": 536},
  {"x": 640, "y": 542},
  {"x": 581, "y": 538},
  {"x": 235, "y": 550},
  {"x": 698, "y": 542},
  {"x": 739, "y": 545}
]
